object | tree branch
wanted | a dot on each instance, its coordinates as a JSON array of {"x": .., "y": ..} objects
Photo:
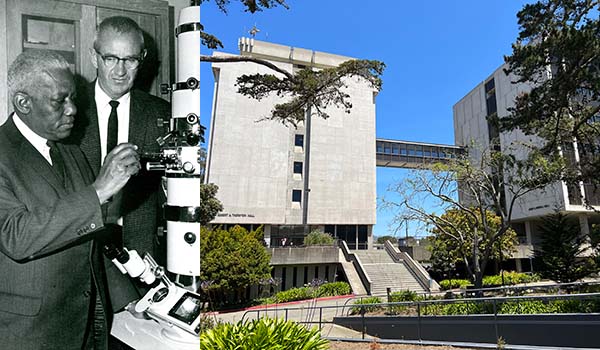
[{"x": 218, "y": 59}]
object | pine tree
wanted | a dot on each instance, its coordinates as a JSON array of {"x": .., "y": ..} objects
[{"x": 561, "y": 249}]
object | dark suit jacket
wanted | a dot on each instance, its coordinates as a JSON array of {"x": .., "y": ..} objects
[
  {"x": 140, "y": 200},
  {"x": 46, "y": 251}
]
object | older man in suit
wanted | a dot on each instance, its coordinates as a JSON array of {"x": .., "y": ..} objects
[
  {"x": 50, "y": 213},
  {"x": 111, "y": 111}
]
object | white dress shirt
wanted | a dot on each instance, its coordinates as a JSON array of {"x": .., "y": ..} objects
[
  {"x": 38, "y": 142},
  {"x": 103, "y": 108}
]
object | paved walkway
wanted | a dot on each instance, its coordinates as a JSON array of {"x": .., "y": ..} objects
[{"x": 309, "y": 312}]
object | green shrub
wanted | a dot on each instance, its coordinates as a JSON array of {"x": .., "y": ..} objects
[
  {"x": 317, "y": 237},
  {"x": 405, "y": 295},
  {"x": 332, "y": 289},
  {"x": 208, "y": 322},
  {"x": 293, "y": 294},
  {"x": 454, "y": 283},
  {"x": 264, "y": 333},
  {"x": 510, "y": 278},
  {"x": 433, "y": 309},
  {"x": 525, "y": 307},
  {"x": 304, "y": 293},
  {"x": 365, "y": 304}
]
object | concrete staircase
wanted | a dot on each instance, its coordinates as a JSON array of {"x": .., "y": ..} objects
[
  {"x": 353, "y": 278},
  {"x": 385, "y": 273}
]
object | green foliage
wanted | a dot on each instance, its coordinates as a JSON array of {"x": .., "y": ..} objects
[
  {"x": 210, "y": 206},
  {"x": 382, "y": 239},
  {"x": 561, "y": 248},
  {"x": 208, "y": 322},
  {"x": 559, "y": 37},
  {"x": 293, "y": 294},
  {"x": 317, "y": 237},
  {"x": 333, "y": 289},
  {"x": 405, "y": 295},
  {"x": 525, "y": 307},
  {"x": 264, "y": 333},
  {"x": 251, "y": 6},
  {"x": 595, "y": 244},
  {"x": 456, "y": 231},
  {"x": 304, "y": 293},
  {"x": 454, "y": 283},
  {"x": 510, "y": 278},
  {"x": 307, "y": 90},
  {"x": 232, "y": 260},
  {"x": 313, "y": 90},
  {"x": 456, "y": 308},
  {"x": 401, "y": 296},
  {"x": 365, "y": 305}
]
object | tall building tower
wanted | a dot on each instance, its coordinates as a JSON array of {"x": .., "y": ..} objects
[
  {"x": 493, "y": 97},
  {"x": 318, "y": 175}
]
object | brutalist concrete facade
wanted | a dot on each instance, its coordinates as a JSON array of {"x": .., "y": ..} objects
[
  {"x": 318, "y": 175},
  {"x": 495, "y": 95}
]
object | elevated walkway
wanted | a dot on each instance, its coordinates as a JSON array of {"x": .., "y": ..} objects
[{"x": 413, "y": 155}]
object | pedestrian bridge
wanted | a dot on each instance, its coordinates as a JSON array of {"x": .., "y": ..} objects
[{"x": 413, "y": 155}]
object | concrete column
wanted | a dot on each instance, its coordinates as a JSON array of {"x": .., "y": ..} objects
[
  {"x": 267, "y": 235},
  {"x": 518, "y": 265},
  {"x": 528, "y": 232},
  {"x": 584, "y": 227},
  {"x": 370, "y": 237}
]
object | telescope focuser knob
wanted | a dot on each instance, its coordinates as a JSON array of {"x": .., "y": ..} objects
[
  {"x": 192, "y": 83},
  {"x": 189, "y": 237},
  {"x": 188, "y": 167},
  {"x": 165, "y": 88}
]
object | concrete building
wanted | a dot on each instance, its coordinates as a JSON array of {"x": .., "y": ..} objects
[
  {"x": 494, "y": 96},
  {"x": 320, "y": 175}
]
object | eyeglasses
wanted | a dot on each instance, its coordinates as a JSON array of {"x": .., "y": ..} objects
[{"x": 131, "y": 62}]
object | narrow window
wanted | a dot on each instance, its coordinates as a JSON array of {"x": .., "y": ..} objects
[
  {"x": 296, "y": 196},
  {"x": 298, "y": 168},
  {"x": 299, "y": 140}
]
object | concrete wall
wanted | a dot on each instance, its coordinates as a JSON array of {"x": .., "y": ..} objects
[
  {"x": 471, "y": 128},
  {"x": 248, "y": 160},
  {"x": 304, "y": 255},
  {"x": 304, "y": 274},
  {"x": 252, "y": 162}
]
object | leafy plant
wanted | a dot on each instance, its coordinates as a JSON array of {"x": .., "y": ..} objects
[
  {"x": 365, "y": 305},
  {"x": 405, "y": 295},
  {"x": 510, "y": 278},
  {"x": 317, "y": 237},
  {"x": 264, "y": 333},
  {"x": 454, "y": 283},
  {"x": 332, "y": 289},
  {"x": 232, "y": 260},
  {"x": 303, "y": 293}
]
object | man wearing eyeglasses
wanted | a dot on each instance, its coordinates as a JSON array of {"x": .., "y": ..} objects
[{"x": 113, "y": 112}]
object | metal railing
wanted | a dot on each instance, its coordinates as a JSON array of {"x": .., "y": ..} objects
[
  {"x": 417, "y": 310},
  {"x": 415, "y": 268},
  {"x": 349, "y": 256}
]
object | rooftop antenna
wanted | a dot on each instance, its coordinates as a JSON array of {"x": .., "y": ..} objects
[{"x": 254, "y": 31}]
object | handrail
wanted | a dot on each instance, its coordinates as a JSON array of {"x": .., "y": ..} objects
[
  {"x": 366, "y": 281},
  {"x": 415, "y": 310},
  {"x": 532, "y": 286},
  {"x": 415, "y": 268}
]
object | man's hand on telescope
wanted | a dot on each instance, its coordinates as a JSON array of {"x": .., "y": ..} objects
[{"x": 119, "y": 165}]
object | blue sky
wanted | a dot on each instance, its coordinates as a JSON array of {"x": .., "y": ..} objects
[{"x": 435, "y": 53}]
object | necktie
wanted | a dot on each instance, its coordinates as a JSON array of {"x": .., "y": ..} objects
[
  {"x": 113, "y": 127},
  {"x": 58, "y": 163}
]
